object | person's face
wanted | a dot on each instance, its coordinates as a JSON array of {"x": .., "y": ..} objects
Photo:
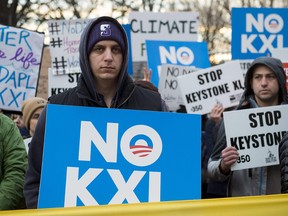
[
  {"x": 18, "y": 119},
  {"x": 265, "y": 86},
  {"x": 106, "y": 60},
  {"x": 34, "y": 120}
]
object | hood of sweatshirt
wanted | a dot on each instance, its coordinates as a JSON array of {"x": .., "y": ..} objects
[
  {"x": 87, "y": 78},
  {"x": 276, "y": 66}
]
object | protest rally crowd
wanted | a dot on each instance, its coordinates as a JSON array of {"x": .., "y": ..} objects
[{"x": 105, "y": 83}]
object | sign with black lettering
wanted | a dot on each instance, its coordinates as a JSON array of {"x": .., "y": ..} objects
[
  {"x": 202, "y": 89},
  {"x": 256, "y": 133},
  {"x": 59, "y": 83},
  {"x": 245, "y": 65},
  {"x": 20, "y": 60},
  {"x": 64, "y": 38},
  {"x": 176, "y": 26},
  {"x": 168, "y": 84},
  {"x": 101, "y": 156},
  {"x": 170, "y": 26}
]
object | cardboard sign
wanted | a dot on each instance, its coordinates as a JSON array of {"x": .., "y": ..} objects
[
  {"x": 177, "y": 53},
  {"x": 64, "y": 44},
  {"x": 168, "y": 84},
  {"x": 258, "y": 31},
  {"x": 202, "y": 89},
  {"x": 256, "y": 133},
  {"x": 111, "y": 156},
  {"x": 20, "y": 60}
]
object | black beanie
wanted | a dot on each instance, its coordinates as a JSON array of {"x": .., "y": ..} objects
[{"x": 105, "y": 30}]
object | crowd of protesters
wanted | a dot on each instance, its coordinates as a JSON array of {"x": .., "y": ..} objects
[{"x": 105, "y": 83}]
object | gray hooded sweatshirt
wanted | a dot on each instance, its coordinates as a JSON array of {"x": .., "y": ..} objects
[{"x": 256, "y": 181}]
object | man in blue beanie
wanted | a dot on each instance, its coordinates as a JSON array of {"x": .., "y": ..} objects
[{"x": 104, "y": 82}]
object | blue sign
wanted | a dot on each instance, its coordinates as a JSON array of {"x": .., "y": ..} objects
[
  {"x": 256, "y": 31},
  {"x": 112, "y": 156},
  {"x": 176, "y": 53},
  {"x": 127, "y": 29}
]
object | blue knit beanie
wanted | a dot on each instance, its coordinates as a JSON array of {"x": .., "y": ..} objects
[{"x": 105, "y": 30}]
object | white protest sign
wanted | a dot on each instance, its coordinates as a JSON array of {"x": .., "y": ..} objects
[
  {"x": 256, "y": 133},
  {"x": 60, "y": 83},
  {"x": 172, "y": 26},
  {"x": 64, "y": 44},
  {"x": 202, "y": 89},
  {"x": 168, "y": 84},
  {"x": 245, "y": 65},
  {"x": 280, "y": 53},
  {"x": 20, "y": 60}
]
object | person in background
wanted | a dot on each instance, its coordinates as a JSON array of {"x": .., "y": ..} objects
[
  {"x": 18, "y": 119},
  {"x": 32, "y": 109},
  {"x": 13, "y": 163},
  {"x": 104, "y": 82},
  {"x": 146, "y": 83},
  {"x": 265, "y": 85}
]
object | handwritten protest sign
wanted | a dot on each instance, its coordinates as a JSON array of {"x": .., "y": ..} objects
[
  {"x": 112, "y": 156},
  {"x": 171, "y": 26},
  {"x": 202, "y": 89},
  {"x": 256, "y": 133},
  {"x": 177, "y": 53},
  {"x": 64, "y": 44},
  {"x": 168, "y": 84},
  {"x": 20, "y": 60},
  {"x": 258, "y": 31}
]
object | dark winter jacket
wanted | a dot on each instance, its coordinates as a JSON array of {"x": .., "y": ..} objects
[
  {"x": 283, "y": 154},
  {"x": 246, "y": 182},
  {"x": 128, "y": 96}
]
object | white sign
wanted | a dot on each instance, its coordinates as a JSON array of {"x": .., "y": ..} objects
[
  {"x": 60, "y": 83},
  {"x": 172, "y": 26},
  {"x": 64, "y": 44},
  {"x": 281, "y": 54},
  {"x": 256, "y": 133},
  {"x": 245, "y": 65},
  {"x": 168, "y": 84},
  {"x": 202, "y": 89}
]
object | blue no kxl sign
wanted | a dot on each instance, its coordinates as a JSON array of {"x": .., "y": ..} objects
[
  {"x": 176, "y": 53},
  {"x": 112, "y": 156},
  {"x": 257, "y": 31}
]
